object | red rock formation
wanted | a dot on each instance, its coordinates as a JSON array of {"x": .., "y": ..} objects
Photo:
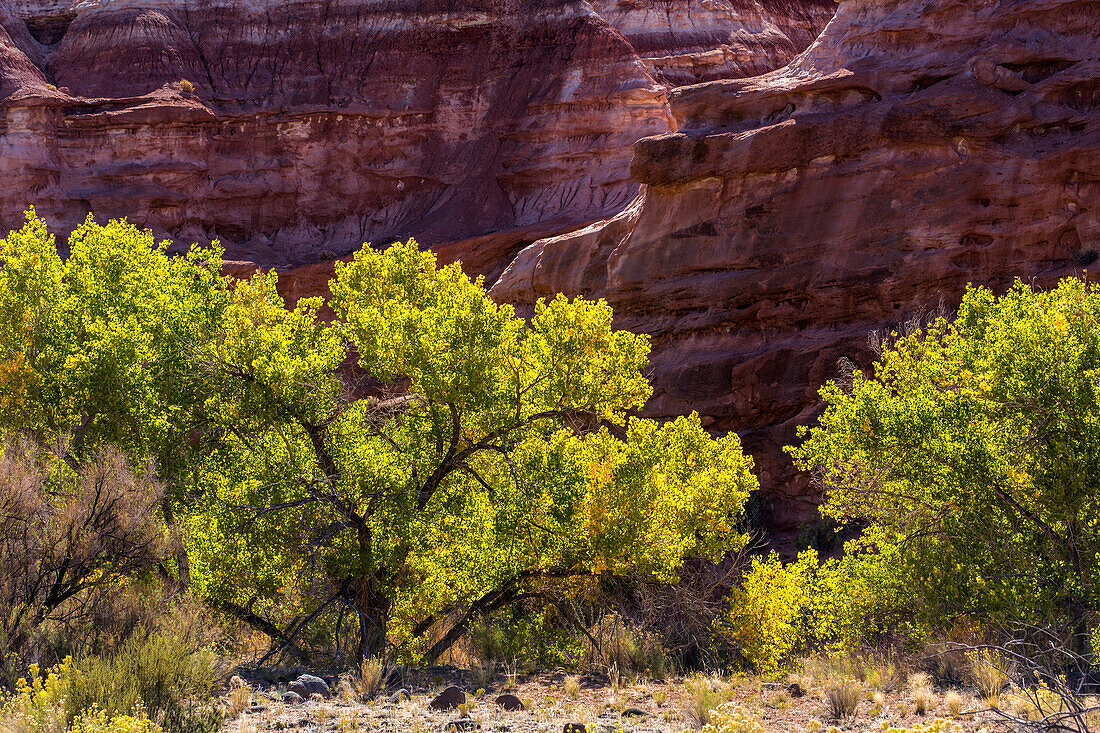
[
  {"x": 313, "y": 126},
  {"x": 690, "y": 41},
  {"x": 916, "y": 146}
]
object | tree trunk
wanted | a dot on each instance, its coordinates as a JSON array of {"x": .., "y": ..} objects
[{"x": 372, "y": 606}]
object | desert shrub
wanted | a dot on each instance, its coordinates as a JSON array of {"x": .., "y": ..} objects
[
  {"x": 614, "y": 643},
  {"x": 161, "y": 674},
  {"x": 368, "y": 678},
  {"x": 186, "y": 87},
  {"x": 72, "y": 535},
  {"x": 730, "y": 718},
  {"x": 768, "y": 612},
  {"x": 704, "y": 694},
  {"x": 842, "y": 697}
]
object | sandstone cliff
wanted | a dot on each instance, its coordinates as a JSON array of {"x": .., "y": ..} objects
[
  {"x": 307, "y": 127},
  {"x": 916, "y": 146}
]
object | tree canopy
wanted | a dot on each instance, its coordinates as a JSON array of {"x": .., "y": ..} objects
[
  {"x": 427, "y": 454},
  {"x": 973, "y": 454}
]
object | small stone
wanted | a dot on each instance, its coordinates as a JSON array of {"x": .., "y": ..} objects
[
  {"x": 257, "y": 708},
  {"x": 634, "y": 713},
  {"x": 509, "y": 702},
  {"x": 575, "y": 728},
  {"x": 449, "y": 699},
  {"x": 399, "y": 696},
  {"x": 795, "y": 690},
  {"x": 291, "y": 698},
  {"x": 457, "y": 726},
  {"x": 307, "y": 685}
]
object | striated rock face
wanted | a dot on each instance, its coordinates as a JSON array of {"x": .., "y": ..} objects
[
  {"x": 306, "y": 127},
  {"x": 691, "y": 41},
  {"x": 916, "y": 146}
]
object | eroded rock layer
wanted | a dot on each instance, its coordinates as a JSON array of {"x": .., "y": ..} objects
[
  {"x": 295, "y": 130},
  {"x": 916, "y": 146}
]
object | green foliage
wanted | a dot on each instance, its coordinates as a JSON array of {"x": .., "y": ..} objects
[
  {"x": 530, "y": 640},
  {"x": 768, "y": 617},
  {"x": 100, "y": 346},
  {"x": 160, "y": 675},
  {"x": 488, "y": 456},
  {"x": 152, "y": 684},
  {"x": 973, "y": 454}
]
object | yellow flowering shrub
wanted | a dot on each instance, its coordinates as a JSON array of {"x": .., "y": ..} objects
[{"x": 730, "y": 718}]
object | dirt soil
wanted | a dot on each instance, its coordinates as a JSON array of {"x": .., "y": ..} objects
[{"x": 554, "y": 700}]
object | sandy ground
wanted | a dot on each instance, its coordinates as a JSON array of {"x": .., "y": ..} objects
[{"x": 553, "y": 701}]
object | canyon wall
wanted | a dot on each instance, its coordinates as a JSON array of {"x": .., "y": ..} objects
[
  {"x": 917, "y": 145},
  {"x": 296, "y": 130}
]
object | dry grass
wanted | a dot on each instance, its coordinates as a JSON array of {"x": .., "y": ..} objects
[
  {"x": 366, "y": 681},
  {"x": 920, "y": 690},
  {"x": 955, "y": 703},
  {"x": 989, "y": 671},
  {"x": 842, "y": 697},
  {"x": 239, "y": 698},
  {"x": 704, "y": 694}
]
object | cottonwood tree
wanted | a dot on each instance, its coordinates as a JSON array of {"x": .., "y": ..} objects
[
  {"x": 973, "y": 453},
  {"x": 500, "y": 452},
  {"x": 485, "y": 455},
  {"x": 96, "y": 349}
]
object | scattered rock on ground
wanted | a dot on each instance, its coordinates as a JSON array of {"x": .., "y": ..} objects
[
  {"x": 456, "y": 726},
  {"x": 449, "y": 699},
  {"x": 795, "y": 690},
  {"x": 509, "y": 702},
  {"x": 291, "y": 698},
  {"x": 308, "y": 684},
  {"x": 399, "y": 696},
  {"x": 634, "y": 713}
]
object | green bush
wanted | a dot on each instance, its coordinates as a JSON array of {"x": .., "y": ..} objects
[
  {"x": 528, "y": 640},
  {"x": 153, "y": 683},
  {"x": 172, "y": 681},
  {"x": 971, "y": 455},
  {"x": 769, "y": 613}
]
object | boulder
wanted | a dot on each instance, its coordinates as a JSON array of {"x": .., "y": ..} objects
[
  {"x": 509, "y": 702},
  {"x": 308, "y": 685},
  {"x": 449, "y": 699}
]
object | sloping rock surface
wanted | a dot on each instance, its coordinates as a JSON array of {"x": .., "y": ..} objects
[
  {"x": 918, "y": 145},
  {"x": 295, "y": 130}
]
